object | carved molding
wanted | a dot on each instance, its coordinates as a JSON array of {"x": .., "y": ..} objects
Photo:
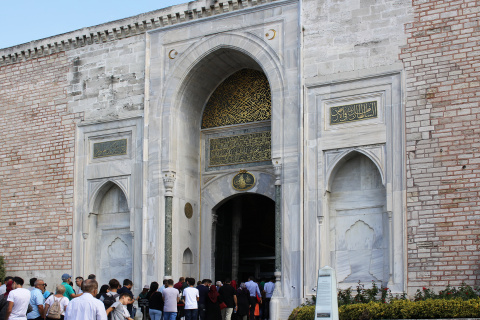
[{"x": 169, "y": 182}]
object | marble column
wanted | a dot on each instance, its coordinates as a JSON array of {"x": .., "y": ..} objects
[
  {"x": 278, "y": 217},
  {"x": 236, "y": 226},
  {"x": 169, "y": 181}
]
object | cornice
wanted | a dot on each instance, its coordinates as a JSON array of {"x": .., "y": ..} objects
[{"x": 123, "y": 28}]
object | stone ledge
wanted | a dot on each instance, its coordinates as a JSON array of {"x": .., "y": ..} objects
[{"x": 123, "y": 28}]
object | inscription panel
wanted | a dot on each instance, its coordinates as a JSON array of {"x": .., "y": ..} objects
[
  {"x": 238, "y": 149},
  {"x": 110, "y": 148},
  {"x": 353, "y": 112}
]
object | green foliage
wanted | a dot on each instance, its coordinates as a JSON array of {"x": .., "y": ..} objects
[
  {"x": 406, "y": 309},
  {"x": 379, "y": 303},
  {"x": 303, "y": 313},
  {"x": 2, "y": 269}
]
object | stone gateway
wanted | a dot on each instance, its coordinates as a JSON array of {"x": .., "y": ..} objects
[{"x": 227, "y": 139}]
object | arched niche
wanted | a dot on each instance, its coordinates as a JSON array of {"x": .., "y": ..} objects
[
  {"x": 203, "y": 67},
  {"x": 110, "y": 243},
  {"x": 358, "y": 222}
]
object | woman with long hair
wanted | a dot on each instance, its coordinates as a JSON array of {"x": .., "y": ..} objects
[
  {"x": 155, "y": 302},
  {"x": 213, "y": 304},
  {"x": 103, "y": 292}
]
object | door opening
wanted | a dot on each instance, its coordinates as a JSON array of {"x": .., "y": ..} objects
[{"x": 245, "y": 238}]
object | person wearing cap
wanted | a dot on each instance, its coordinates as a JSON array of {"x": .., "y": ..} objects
[{"x": 69, "y": 292}]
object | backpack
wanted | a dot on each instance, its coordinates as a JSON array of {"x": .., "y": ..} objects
[
  {"x": 55, "y": 310},
  {"x": 109, "y": 300}
]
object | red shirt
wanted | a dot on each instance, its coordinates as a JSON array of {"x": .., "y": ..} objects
[{"x": 178, "y": 285}]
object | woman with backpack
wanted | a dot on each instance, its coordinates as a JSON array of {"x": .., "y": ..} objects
[{"x": 56, "y": 304}]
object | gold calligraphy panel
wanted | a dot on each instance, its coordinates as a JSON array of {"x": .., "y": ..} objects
[
  {"x": 245, "y": 148},
  {"x": 242, "y": 98},
  {"x": 110, "y": 148},
  {"x": 353, "y": 112}
]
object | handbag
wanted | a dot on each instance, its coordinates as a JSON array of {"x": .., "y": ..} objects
[{"x": 223, "y": 305}]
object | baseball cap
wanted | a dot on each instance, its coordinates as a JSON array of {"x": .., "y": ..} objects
[{"x": 65, "y": 276}]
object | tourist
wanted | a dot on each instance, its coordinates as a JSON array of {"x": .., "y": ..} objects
[
  {"x": 92, "y": 277},
  {"x": 32, "y": 284},
  {"x": 219, "y": 285},
  {"x": 58, "y": 298},
  {"x": 69, "y": 292},
  {"x": 78, "y": 282},
  {"x": 243, "y": 302},
  {"x": 171, "y": 296},
  {"x": 86, "y": 307},
  {"x": 155, "y": 302},
  {"x": 3, "y": 306},
  {"x": 143, "y": 301},
  {"x": 37, "y": 300},
  {"x": 9, "y": 287},
  {"x": 3, "y": 287},
  {"x": 179, "y": 284},
  {"x": 191, "y": 296},
  {"x": 103, "y": 292},
  {"x": 118, "y": 310},
  {"x": 112, "y": 296},
  {"x": 202, "y": 301},
  {"x": 229, "y": 297},
  {"x": 18, "y": 300},
  {"x": 163, "y": 286},
  {"x": 254, "y": 292},
  {"x": 268, "y": 289},
  {"x": 127, "y": 287},
  {"x": 213, "y": 304},
  {"x": 45, "y": 292}
]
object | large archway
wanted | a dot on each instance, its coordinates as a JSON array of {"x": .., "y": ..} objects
[{"x": 245, "y": 238}]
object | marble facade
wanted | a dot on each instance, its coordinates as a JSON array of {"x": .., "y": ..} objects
[{"x": 338, "y": 186}]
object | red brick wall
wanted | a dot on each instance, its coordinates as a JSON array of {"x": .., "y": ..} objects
[
  {"x": 443, "y": 143},
  {"x": 36, "y": 165}
]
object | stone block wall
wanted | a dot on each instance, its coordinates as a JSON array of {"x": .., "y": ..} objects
[
  {"x": 352, "y": 35},
  {"x": 36, "y": 166},
  {"x": 108, "y": 79},
  {"x": 443, "y": 142}
]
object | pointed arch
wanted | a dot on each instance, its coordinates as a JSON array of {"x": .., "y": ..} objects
[
  {"x": 344, "y": 157},
  {"x": 188, "y": 256},
  {"x": 100, "y": 192}
]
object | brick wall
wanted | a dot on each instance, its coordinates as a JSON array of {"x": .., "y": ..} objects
[
  {"x": 443, "y": 141},
  {"x": 36, "y": 165}
]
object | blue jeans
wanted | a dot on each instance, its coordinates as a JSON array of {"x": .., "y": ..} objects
[
  {"x": 169, "y": 315},
  {"x": 155, "y": 314},
  {"x": 191, "y": 314}
]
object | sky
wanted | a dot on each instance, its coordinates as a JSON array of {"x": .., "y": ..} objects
[{"x": 26, "y": 20}]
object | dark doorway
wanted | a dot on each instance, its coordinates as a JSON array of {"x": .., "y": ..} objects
[{"x": 245, "y": 238}]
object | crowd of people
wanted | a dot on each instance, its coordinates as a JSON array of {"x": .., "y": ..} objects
[{"x": 185, "y": 299}]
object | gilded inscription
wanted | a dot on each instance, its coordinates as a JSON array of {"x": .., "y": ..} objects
[
  {"x": 243, "y": 97},
  {"x": 245, "y": 148},
  {"x": 110, "y": 148},
  {"x": 353, "y": 112}
]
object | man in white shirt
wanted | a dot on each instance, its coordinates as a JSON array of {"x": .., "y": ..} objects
[
  {"x": 192, "y": 296},
  {"x": 86, "y": 307},
  {"x": 18, "y": 300}
]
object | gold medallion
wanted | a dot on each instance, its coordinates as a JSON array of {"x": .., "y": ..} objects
[
  {"x": 243, "y": 181},
  {"x": 188, "y": 210}
]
